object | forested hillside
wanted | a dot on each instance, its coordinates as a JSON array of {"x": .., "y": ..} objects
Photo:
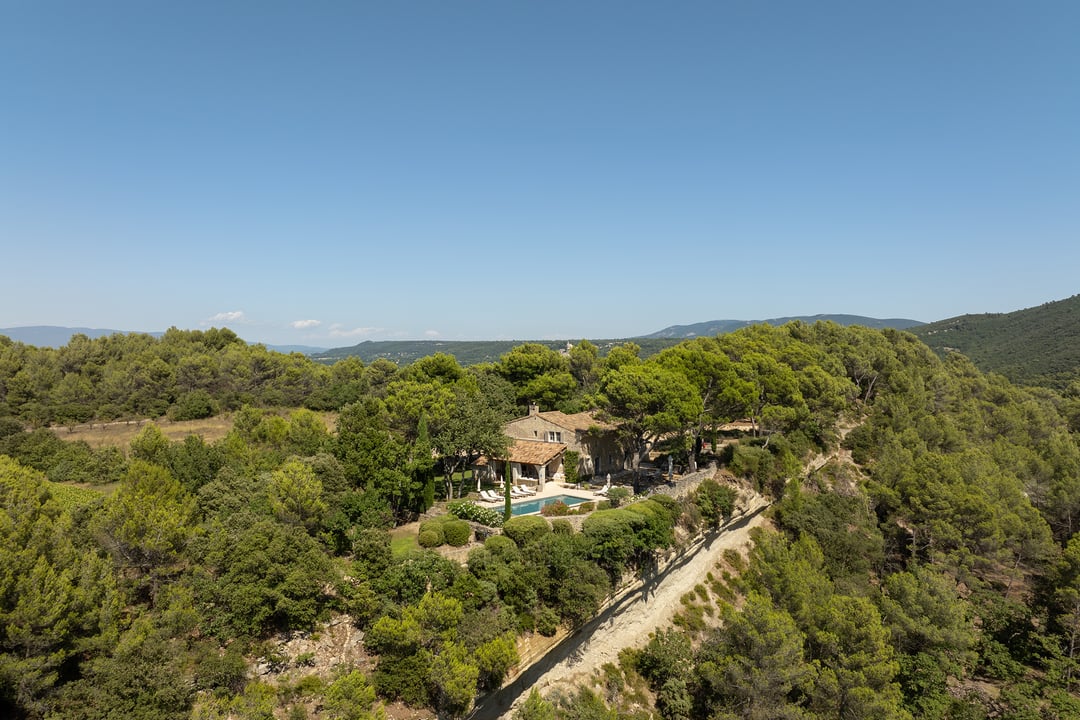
[
  {"x": 1035, "y": 346},
  {"x": 937, "y": 575}
]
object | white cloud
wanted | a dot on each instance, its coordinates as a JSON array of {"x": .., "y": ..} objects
[
  {"x": 338, "y": 330},
  {"x": 305, "y": 324},
  {"x": 233, "y": 316},
  {"x": 432, "y": 333}
]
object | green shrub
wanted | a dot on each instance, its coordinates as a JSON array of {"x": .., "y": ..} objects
[
  {"x": 716, "y": 502},
  {"x": 547, "y": 621},
  {"x": 457, "y": 532},
  {"x": 668, "y": 654},
  {"x": 525, "y": 529},
  {"x": 225, "y": 673},
  {"x": 526, "y": 622},
  {"x": 691, "y": 620},
  {"x": 562, "y": 526},
  {"x": 500, "y": 545},
  {"x": 71, "y": 497},
  {"x": 310, "y": 685},
  {"x": 618, "y": 495},
  {"x": 430, "y": 539},
  {"x": 350, "y": 695},
  {"x": 734, "y": 559},
  {"x": 436, "y": 527}
]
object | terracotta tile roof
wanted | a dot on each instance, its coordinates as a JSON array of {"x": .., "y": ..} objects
[
  {"x": 578, "y": 421},
  {"x": 535, "y": 452},
  {"x": 531, "y": 452}
]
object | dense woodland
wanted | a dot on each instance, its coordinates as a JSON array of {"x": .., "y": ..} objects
[{"x": 147, "y": 581}]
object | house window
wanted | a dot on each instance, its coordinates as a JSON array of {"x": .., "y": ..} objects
[{"x": 554, "y": 436}]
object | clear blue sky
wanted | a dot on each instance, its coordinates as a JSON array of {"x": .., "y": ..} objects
[{"x": 328, "y": 172}]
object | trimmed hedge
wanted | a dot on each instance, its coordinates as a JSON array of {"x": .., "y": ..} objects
[
  {"x": 457, "y": 532},
  {"x": 433, "y": 527},
  {"x": 429, "y": 539},
  {"x": 525, "y": 529}
]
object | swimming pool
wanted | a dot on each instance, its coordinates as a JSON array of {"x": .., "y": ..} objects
[{"x": 533, "y": 506}]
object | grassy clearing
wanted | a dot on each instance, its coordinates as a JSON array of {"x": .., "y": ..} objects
[
  {"x": 120, "y": 433},
  {"x": 403, "y": 539}
]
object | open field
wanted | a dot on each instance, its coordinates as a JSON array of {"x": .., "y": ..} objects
[{"x": 120, "y": 433}]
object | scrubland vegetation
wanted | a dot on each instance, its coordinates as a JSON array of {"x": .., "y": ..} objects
[{"x": 937, "y": 575}]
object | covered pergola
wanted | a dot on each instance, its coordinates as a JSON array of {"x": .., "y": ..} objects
[{"x": 531, "y": 461}]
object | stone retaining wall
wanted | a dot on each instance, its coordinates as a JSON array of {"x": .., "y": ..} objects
[{"x": 686, "y": 484}]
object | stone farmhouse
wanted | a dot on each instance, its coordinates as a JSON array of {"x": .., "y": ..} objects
[{"x": 542, "y": 438}]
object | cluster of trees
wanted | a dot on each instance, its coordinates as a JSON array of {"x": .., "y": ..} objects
[
  {"x": 152, "y": 600},
  {"x": 440, "y": 647},
  {"x": 949, "y": 554},
  {"x": 684, "y": 390},
  {"x": 944, "y": 560},
  {"x": 184, "y": 374},
  {"x": 146, "y": 602}
]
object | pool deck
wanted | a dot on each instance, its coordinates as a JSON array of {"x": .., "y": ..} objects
[{"x": 551, "y": 489}]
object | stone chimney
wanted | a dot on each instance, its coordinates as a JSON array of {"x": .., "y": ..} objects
[{"x": 534, "y": 409}]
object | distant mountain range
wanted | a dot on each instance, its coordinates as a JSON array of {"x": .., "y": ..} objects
[
  {"x": 720, "y": 327},
  {"x": 472, "y": 352}
]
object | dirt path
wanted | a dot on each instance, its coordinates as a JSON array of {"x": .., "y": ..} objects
[{"x": 625, "y": 623}]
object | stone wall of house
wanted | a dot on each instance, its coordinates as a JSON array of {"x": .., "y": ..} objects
[
  {"x": 606, "y": 454},
  {"x": 534, "y": 427}
]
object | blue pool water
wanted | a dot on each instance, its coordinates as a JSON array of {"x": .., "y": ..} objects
[{"x": 533, "y": 506}]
